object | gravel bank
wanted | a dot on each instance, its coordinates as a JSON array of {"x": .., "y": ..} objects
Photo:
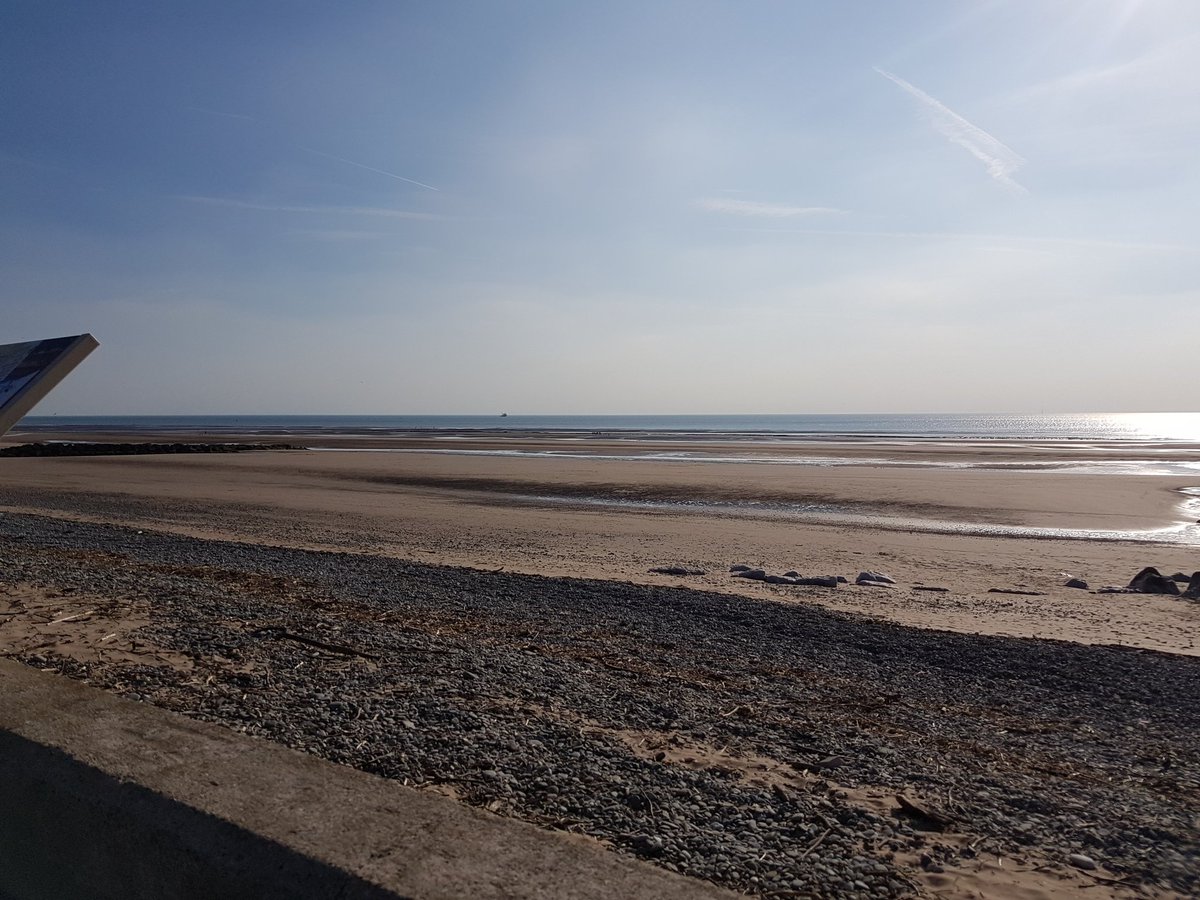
[{"x": 720, "y": 737}]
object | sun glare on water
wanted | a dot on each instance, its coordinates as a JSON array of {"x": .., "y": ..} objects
[{"x": 1160, "y": 426}]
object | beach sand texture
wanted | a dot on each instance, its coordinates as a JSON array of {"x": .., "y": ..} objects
[
  {"x": 615, "y": 516},
  {"x": 732, "y": 702}
]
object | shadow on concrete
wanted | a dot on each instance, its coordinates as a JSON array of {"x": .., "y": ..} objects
[{"x": 69, "y": 830}]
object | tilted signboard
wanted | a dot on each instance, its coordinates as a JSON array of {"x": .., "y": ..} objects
[{"x": 29, "y": 371}]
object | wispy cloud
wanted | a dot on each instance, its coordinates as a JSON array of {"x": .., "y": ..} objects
[
  {"x": 379, "y": 211},
  {"x": 358, "y": 165},
  {"x": 1164, "y": 72},
  {"x": 1016, "y": 240},
  {"x": 1001, "y": 161},
  {"x": 762, "y": 210},
  {"x": 340, "y": 235},
  {"x": 337, "y": 159}
]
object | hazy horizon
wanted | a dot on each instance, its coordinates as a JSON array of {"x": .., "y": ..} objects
[
  {"x": 999, "y": 414},
  {"x": 624, "y": 208}
]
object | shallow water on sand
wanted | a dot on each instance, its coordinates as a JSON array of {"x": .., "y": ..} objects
[
  {"x": 1150, "y": 466},
  {"x": 1181, "y": 534}
]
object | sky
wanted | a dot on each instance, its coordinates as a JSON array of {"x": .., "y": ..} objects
[{"x": 615, "y": 207}]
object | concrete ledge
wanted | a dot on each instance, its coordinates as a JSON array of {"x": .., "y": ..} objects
[{"x": 103, "y": 797}]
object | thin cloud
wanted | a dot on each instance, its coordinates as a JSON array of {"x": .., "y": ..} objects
[
  {"x": 1000, "y": 160},
  {"x": 379, "y": 211},
  {"x": 340, "y": 236},
  {"x": 1162, "y": 69},
  {"x": 339, "y": 159},
  {"x": 762, "y": 210},
  {"x": 358, "y": 165},
  {"x": 1014, "y": 239}
]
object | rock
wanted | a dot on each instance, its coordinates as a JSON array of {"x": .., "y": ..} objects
[
  {"x": 1193, "y": 588},
  {"x": 794, "y": 574},
  {"x": 790, "y": 680},
  {"x": 927, "y": 587},
  {"x": 1079, "y": 861},
  {"x": 677, "y": 570},
  {"x": 875, "y": 584},
  {"x": 1181, "y": 578},
  {"x": 1151, "y": 581},
  {"x": 779, "y": 579},
  {"x": 752, "y": 574},
  {"x": 842, "y": 579},
  {"x": 818, "y": 581},
  {"x": 90, "y": 448},
  {"x": 923, "y": 813},
  {"x": 1076, "y": 583},
  {"x": 637, "y": 802},
  {"x": 739, "y": 568},
  {"x": 874, "y": 576},
  {"x": 829, "y": 762},
  {"x": 928, "y": 864},
  {"x": 648, "y": 846}
]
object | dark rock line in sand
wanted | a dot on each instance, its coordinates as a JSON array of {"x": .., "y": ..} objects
[
  {"x": 88, "y": 448},
  {"x": 576, "y": 704},
  {"x": 1148, "y": 581}
]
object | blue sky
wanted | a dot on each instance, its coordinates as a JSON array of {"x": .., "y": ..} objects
[{"x": 643, "y": 207}]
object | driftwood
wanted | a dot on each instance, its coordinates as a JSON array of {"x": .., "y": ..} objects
[
  {"x": 284, "y": 635},
  {"x": 82, "y": 615},
  {"x": 815, "y": 844}
]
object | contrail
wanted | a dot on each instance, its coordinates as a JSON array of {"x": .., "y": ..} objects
[
  {"x": 1000, "y": 160},
  {"x": 350, "y": 162},
  {"x": 320, "y": 210}
]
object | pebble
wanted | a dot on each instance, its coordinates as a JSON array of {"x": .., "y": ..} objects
[{"x": 527, "y": 718}]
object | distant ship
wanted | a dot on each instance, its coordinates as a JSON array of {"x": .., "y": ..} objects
[{"x": 504, "y": 415}]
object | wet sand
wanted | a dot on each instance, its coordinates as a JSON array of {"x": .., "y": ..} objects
[{"x": 965, "y": 516}]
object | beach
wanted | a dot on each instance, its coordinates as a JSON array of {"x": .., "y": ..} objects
[
  {"x": 967, "y": 516},
  {"x": 476, "y": 614},
  {"x": 738, "y": 449}
]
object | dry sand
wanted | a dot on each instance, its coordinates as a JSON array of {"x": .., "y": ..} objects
[
  {"x": 541, "y": 515},
  {"x": 606, "y": 511}
]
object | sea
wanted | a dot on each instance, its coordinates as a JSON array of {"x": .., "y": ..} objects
[{"x": 1181, "y": 427}]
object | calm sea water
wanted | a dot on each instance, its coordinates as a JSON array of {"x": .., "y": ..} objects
[{"x": 1044, "y": 426}]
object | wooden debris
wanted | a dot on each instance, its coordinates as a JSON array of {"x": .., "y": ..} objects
[
  {"x": 285, "y": 635},
  {"x": 82, "y": 615},
  {"x": 815, "y": 844}
]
